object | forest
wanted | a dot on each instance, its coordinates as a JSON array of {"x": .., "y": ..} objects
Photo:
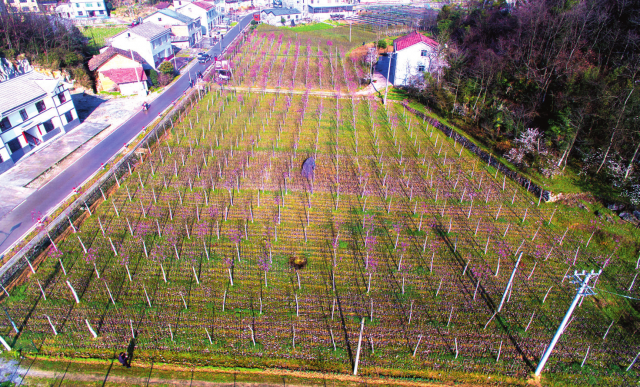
[
  {"x": 49, "y": 43},
  {"x": 546, "y": 83}
]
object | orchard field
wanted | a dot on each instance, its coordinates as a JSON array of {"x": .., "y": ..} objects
[{"x": 216, "y": 250}]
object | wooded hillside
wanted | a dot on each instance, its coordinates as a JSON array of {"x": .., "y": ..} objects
[
  {"x": 566, "y": 68},
  {"x": 47, "y": 42}
]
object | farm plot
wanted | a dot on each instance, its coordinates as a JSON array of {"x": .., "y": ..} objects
[
  {"x": 396, "y": 251},
  {"x": 277, "y": 58}
]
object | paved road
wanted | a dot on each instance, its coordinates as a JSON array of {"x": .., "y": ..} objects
[{"x": 16, "y": 223}]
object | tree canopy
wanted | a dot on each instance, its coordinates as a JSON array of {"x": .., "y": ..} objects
[{"x": 567, "y": 68}]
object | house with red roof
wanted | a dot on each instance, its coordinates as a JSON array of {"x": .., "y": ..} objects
[
  {"x": 413, "y": 55},
  {"x": 119, "y": 70}
]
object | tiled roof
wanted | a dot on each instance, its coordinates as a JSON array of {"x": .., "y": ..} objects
[
  {"x": 411, "y": 39},
  {"x": 162, "y": 5},
  {"x": 100, "y": 59},
  {"x": 203, "y": 5},
  {"x": 129, "y": 75},
  {"x": 148, "y": 31},
  {"x": 174, "y": 15},
  {"x": 24, "y": 89},
  {"x": 281, "y": 11}
]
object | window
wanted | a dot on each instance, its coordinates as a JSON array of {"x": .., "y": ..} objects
[
  {"x": 68, "y": 116},
  {"x": 62, "y": 98},
  {"x": 25, "y": 9},
  {"x": 14, "y": 145},
  {"x": 159, "y": 19},
  {"x": 101, "y": 12},
  {"x": 421, "y": 68},
  {"x": 89, "y": 5},
  {"x": 5, "y": 124},
  {"x": 423, "y": 53},
  {"x": 48, "y": 126},
  {"x": 79, "y": 13},
  {"x": 77, "y": 5},
  {"x": 24, "y": 115},
  {"x": 35, "y": 8},
  {"x": 10, "y": 1},
  {"x": 23, "y": 1},
  {"x": 41, "y": 106}
]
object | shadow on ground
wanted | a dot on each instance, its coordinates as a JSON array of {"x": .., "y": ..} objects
[{"x": 85, "y": 104}]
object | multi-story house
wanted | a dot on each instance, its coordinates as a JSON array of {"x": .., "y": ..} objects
[
  {"x": 320, "y": 10},
  {"x": 81, "y": 9},
  {"x": 34, "y": 108},
  {"x": 207, "y": 13},
  {"x": 151, "y": 41},
  {"x": 414, "y": 54},
  {"x": 21, "y": 6},
  {"x": 185, "y": 31}
]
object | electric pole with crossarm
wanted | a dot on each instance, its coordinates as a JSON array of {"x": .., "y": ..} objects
[{"x": 583, "y": 290}]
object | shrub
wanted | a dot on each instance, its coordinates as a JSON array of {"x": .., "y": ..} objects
[
  {"x": 72, "y": 58},
  {"x": 82, "y": 77},
  {"x": 382, "y": 44},
  {"x": 165, "y": 79},
  {"x": 153, "y": 77},
  {"x": 166, "y": 67}
]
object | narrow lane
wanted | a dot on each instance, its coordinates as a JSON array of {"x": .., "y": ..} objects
[{"x": 17, "y": 222}]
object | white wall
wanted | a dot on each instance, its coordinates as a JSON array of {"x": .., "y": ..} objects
[
  {"x": 85, "y": 6},
  {"x": 143, "y": 47},
  {"x": 408, "y": 60},
  {"x": 54, "y": 111}
]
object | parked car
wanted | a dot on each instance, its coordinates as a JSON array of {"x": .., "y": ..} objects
[{"x": 203, "y": 58}]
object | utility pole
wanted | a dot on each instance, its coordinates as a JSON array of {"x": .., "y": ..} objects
[
  {"x": 583, "y": 290},
  {"x": 386, "y": 88}
]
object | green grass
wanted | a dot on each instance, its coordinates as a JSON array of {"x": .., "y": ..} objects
[
  {"x": 309, "y": 27},
  {"x": 98, "y": 35}
]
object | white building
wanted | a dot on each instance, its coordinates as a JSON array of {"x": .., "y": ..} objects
[
  {"x": 81, "y": 9},
  {"x": 274, "y": 16},
  {"x": 152, "y": 42},
  {"x": 414, "y": 54},
  {"x": 207, "y": 13},
  {"x": 186, "y": 31},
  {"x": 34, "y": 108},
  {"x": 319, "y": 10}
]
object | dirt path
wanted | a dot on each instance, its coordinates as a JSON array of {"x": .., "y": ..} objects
[{"x": 113, "y": 375}]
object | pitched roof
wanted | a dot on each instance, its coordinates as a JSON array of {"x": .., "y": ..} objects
[
  {"x": 411, "y": 39},
  {"x": 174, "y": 15},
  {"x": 162, "y": 5},
  {"x": 100, "y": 59},
  {"x": 24, "y": 89},
  {"x": 129, "y": 75},
  {"x": 148, "y": 31},
  {"x": 281, "y": 11},
  {"x": 203, "y": 5}
]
